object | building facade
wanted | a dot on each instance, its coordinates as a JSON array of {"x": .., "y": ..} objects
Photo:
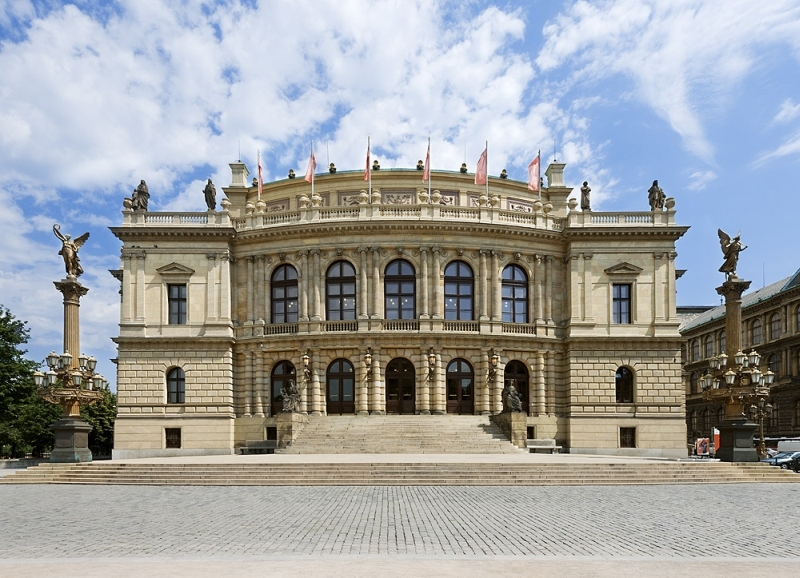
[
  {"x": 394, "y": 300},
  {"x": 771, "y": 326}
]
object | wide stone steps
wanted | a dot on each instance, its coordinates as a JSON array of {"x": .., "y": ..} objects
[
  {"x": 401, "y": 434},
  {"x": 393, "y": 474}
]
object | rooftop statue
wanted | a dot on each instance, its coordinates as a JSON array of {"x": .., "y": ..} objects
[
  {"x": 656, "y": 197},
  {"x": 585, "y": 190},
  {"x": 211, "y": 195},
  {"x": 141, "y": 196},
  {"x": 69, "y": 251},
  {"x": 731, "y": 249}
]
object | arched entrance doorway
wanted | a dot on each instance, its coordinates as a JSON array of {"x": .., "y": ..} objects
[
  {"x": 460, "y": 387},
  {"x": 341, "y": 380},
  {"x": 516, "y": 374},
  {"x": 282, "y": 373},
  {"x": 400, "y": 387}
]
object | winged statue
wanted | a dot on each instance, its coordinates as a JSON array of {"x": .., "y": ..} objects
[
  {"x": 69, "y": 251},
  {"x": 730, "y": 249}
]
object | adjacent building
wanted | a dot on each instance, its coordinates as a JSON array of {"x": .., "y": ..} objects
[{"x": 394, "y": 299}]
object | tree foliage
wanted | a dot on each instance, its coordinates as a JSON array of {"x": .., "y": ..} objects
[{"x": 101, "y": 417}]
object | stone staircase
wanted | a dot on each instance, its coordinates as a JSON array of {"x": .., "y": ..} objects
[
  {"x": 401, "y": 474},
  {"x": 401, "y": 434}
]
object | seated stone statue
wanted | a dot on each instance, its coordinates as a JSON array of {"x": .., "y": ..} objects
[
  {"x": 291, "y": 397},
  {"x": 511, "y": 399}
]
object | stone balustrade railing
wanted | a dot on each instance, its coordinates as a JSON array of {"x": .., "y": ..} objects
[{"x": 170, "y": 219}]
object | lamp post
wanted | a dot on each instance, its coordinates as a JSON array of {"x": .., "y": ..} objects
[{"x": 760, "y": 411}]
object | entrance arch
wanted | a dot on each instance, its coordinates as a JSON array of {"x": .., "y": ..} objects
[
  {"x": 516, "y": 374},
  {"x": 341, "y": 386},
  {"x": 282, "y": 374},
  {"x": 400, "y": 387},
  {"x": 460, "y": 387}
]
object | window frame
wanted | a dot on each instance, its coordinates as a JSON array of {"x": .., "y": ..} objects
[
  {"x": 514, "y": 301},
  {"x": 177, "y": 377},
  {"x": 285, "y": 284},
  {"x": 708, "y": 347},
  {"x": 402, "y": 280},
  {"x": 342, "y": 313},
  {"x": 182, "y": 313},
  {"x": 622, "y": 388},
  {"x": 756, "y": 338},
  {"x": 774, "y": 326},
  {"x": 461, "y": 282},
  {"x": 617, "y": 315}
]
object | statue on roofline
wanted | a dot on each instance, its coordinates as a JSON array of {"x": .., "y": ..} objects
[
  {"x": 141, "y": 196},
  {"x": 585, "y": 203},
  {"x": 69, "y": 251},
  {"x": 730, "y": 249},
  {"x": 210, "y": 193},
  {"x": 656, "y": 197}
]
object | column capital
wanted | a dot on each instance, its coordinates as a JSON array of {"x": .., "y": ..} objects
[
  {"x": 314, "y": 252},
  {"x": 424, "y": 249},
  {"x": 211, "y": 256}
]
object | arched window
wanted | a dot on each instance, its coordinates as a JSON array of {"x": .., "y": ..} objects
[
  {"x": 176, "y": 386},
  {"x": 284, "y": 294},
  {"x": 775, "y": 326},
  {"x": 516, "y": 374},
  {"x": 515, "y": 295},
  {"x": 624, "y": 385},
  {"x": 340, "y": 291},
  {"x": 695, "y": 350},
  {"x": 458, "y": 284},
  {"x": 774, "y": 364},
  {"x": 400, "y": 387},
  {"x": 341, "y": 379},
  {"x": 693, "y": 383},
  {"x": 692, "y": 421},
  {"x": 720, "y": 416},
  {"x": 723, "y": 341},
  {"x": 282, "y": 374},
  {"x": 755, "y": 333},
  {"x": 774, "y": 422},
  {"x": 400, "y": 290},
  {"x": 797, "y": 319},
  {"x": 460, "y": 387},
  {"x": 708, "y": 346}
]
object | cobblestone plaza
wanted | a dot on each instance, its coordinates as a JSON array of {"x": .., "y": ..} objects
[{"x": 337, "y": 530}]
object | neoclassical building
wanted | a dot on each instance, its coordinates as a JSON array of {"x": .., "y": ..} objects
[
  {"x": 398, "y": 302},
  {"x": 771, "y": 326}
]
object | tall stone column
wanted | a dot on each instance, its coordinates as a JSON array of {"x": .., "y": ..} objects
[
  {"x": 482, "y": 287},
  {"x": 548, "y": 284},
  {"x": 140, "y": 285},
  {"x": 248, "y": 378},
  {"x": 316, "y": 390},
  {"x": 72, "y": 290},
  {"x": 362, "y": 390},
  {"x": 376, "y": 283},
  {"x": 659, "y": 286},
  {"x": 538, "y": 295},
  {"x": 539, "y": 377},
  {"x": 260, "y": 289},
  {"x": 424, "y": 391},
  {"x": 316, "y": 280},
  {"x": 127, "y": 288},
  {"x": 266, "y": 389},
  {"x": 438, "y": 288},
  {"x": 550, "y": 383},
  {"x": 588, "y": 314},
  {"x": 485, "y": 399},
  {"x": 439, "y": 397},
  {"x": 424, "y": 285},
  {"x": 497, "y": 304},
  {"x": 251, "y": 313},
  {"x": 211, "y": 287},
  {"x": 258, "y": 360},
  {"x": 304, "y": 276},
  {"x": 230, "y": 285},
  {"x": 363, "y": 304}
]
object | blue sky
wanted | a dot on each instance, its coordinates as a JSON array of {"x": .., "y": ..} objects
[{"x": 94, "y": 96}]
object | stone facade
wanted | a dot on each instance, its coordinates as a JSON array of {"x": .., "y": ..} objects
[
  {"x": 447, "y": 295},
  {"x": 771, "y": 326}
]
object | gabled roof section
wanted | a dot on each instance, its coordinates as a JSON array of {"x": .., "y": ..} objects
[
  {"x": 175, "y": 269},
  {"x": 794, "y": 281},
  {"x": 624, "y": 269}
]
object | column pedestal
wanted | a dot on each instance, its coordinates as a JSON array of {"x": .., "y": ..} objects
[
  {"x": 71, "y": 441},
  {"x": 736, "y": 441}
]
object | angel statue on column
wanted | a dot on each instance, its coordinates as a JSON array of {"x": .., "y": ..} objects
[
  {"x": 69, "y": 251},
  {"x": 731, "y": 249}
]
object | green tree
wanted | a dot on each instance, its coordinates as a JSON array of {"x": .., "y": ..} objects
[
  {"x": 101, "y": 417},
  {"x": 16, "y": 381}
]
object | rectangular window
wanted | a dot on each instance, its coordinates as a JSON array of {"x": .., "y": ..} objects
[
  {"x": 176, "y": 296},
  {"x": 622, "y": 303},
  {"x": 173, "y": 437},
  {"x": 627, "y": 437}
]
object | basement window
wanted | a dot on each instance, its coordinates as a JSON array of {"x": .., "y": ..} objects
[
  {"x": 627, "y": 437},
  {"x": 173, "y": 437}
]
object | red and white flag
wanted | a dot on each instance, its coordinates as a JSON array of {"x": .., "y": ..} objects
[
  {"x": 366, "y": 167},
  {"x": 426, "y": 174},
  {"x": 260, "y": 178},
  {"x": 312, "y": 166},
  {"x": 533, "y": 173},
  {"x": 480, "y": 170}
]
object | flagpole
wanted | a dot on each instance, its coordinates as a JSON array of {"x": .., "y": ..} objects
[
  {"x": 539, "y": 176},
  {"x": 312, "y": 170},
  {"x": 487, "y": 169},
  {"x": 429, "y": 169},
  {"x": 369, "y": 168}
]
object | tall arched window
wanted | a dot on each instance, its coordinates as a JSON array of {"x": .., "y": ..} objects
[
  {"x": 176, "y": 386},
  {"x": 460, "y": 387},
  {"x": 340, "y": 291},
  {"x": 775, "y": 326},
  {"x": 341, "y": 379},
  {"x": 774, "y": 420},
  {"x": 708, "y": 346},
  {"x": 515, "y": 295},
  {"x": 516, "y": 374},
  {"x": 399, "y": 284},
  {"x": 695, "y": 350},
  {"x": 797, "y": 319},
  {"x": 458, "y": 291},
  {"x": 284, "y": 294},
  {"x": 693, "y": 383},
  {"x": 755, "y": 332},
  {"x": 774, "y": 364},
  {"x": 282, "y": 374},
  {"x": 723, "y": 341},
  {"x": 624, "y": 380}
]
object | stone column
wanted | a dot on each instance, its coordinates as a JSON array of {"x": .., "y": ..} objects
[
  {"x": 363, "y": 303},
  {"x": 438, "y": 288},
  {"x": 378, "y": 402},
  {"x": 140, "y": 312},
  {"x": 485, "y": 399},
  {"x": 423, "y": 287},
  {"x": 362, "y": 390},
  {"x": 266, "y": 385},
  {"x": 539, "y": 289},
  {"x": 550, "y": 383},
  {"x": 251, "y": 313},
  {"x": 266, "y": 295},
  {"x": 497, "y": 304},
  {"x": 260, "y": 289},
  {"x": 72, "y": 290},
  {"x": 423, "y": 391},
  {"x": 248, "y": 378},
  {"x": 671, "y": 313},
  {"x": 587, "y": 287},
  {"x": 303, "y": 286},
  {"x": 439, "y": 397},
  {"x": 211, "y": 285},
  {"x": 540, "y": 381},
  {"x": 316, "y": 280},
  {"x": 482, "y": 287},
  {"x": 316, "y": 393},
  {"x": 230, "y": 299},
  {"x": 497, "y": 391},
  {"x": 127, "y": 288},
  {"x": 659, "y": 286},
  {"x": 258, "y": 406},
  {"x": 376, "y": 284}
]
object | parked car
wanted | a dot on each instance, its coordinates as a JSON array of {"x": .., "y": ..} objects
[{"x": 782, "y": 459}]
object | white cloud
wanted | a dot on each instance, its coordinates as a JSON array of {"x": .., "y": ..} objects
[
  {"x": 788, "y": 112},
  {"x": 699, "y": 180},
  {"x": 787, "y": 148}
]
